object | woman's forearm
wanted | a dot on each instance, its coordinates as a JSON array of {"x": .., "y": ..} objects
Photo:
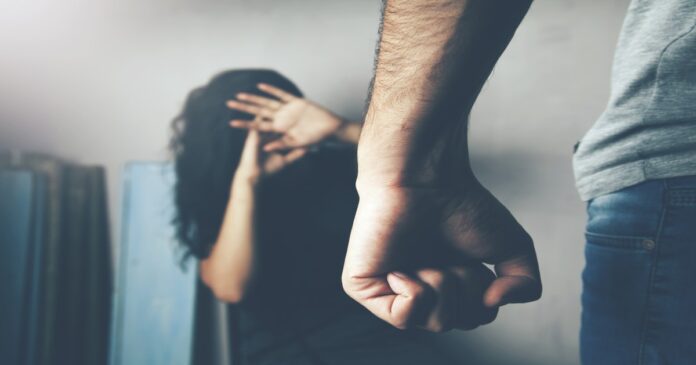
[
  {"x": 349, "y": 132},
  {"x": 229, "y": 267}
]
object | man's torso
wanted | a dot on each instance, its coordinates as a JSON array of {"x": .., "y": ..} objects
[{"x": 648, "y": 130}]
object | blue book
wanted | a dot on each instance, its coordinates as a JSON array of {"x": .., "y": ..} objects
[
  {"x": 154, "y": 301},
  {"x": 54, "y": 262},
  {"x": 17, "y": 264},
  {"x": 33, "y": 327},
  {"x": 42, "y": 347},
  {"x": 84, "y": 297},
  {"x": 98, "y": 285}
]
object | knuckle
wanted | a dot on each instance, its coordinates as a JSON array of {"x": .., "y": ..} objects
[
  {"x": 418, "y": 293},
  {"x": 436, "y": 327},
  {"x": 400, "y": 322},
  {"x": 434, "y": 278},
  {"x": 348, "y": 283}
]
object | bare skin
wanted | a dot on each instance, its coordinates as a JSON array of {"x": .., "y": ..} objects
[
  {"x": 230, "y": 266},
  {"x": 299, "y": 121},
  {"x": 421, "y": 206},
  {"x": 302, "y": 123}
]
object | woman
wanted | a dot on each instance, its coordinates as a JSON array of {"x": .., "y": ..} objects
[{"x": 267, "y": 207}]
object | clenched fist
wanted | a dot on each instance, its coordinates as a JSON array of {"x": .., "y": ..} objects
[{"x": 414, "y": 257}]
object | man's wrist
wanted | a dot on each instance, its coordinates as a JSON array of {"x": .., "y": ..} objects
[{"x": 414, "y": 156}]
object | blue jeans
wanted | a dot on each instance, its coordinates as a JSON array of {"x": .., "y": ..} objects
[{"x": 639, "y": 282}]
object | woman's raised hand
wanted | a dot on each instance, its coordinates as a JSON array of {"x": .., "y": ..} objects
[
  {"x": 255, "y": 164},
  {"x": 298, "y": 121}
]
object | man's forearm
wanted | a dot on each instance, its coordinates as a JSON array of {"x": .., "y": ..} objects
[{"x": 433, "y": 59}]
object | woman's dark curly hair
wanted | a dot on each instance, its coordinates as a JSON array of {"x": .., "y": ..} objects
[{"x": 206, "y": 152}]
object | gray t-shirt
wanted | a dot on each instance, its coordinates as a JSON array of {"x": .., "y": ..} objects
[{"x": 648, "y": 130}]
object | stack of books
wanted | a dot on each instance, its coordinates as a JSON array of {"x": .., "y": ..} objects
[
  {"x": 58, "y": 303},
  {"x": 55, "y": 262}
]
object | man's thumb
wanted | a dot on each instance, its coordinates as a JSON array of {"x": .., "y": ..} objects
[
  {"x": 518, "y": 281},
  {"x": 512, "y": 289}
]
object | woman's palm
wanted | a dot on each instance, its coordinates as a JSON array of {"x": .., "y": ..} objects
[
  {"x": 255, "y": 163},
  {"x": 304, "y": 122},
  {"x": 298, "y": 122}
]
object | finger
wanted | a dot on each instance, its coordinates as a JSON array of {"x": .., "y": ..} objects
[
  {"x": 374, "y": 293},
  {"x": 269, "y": 103},
  {"x": 444, "y": 288},
  {"x": 294, "y": 155},
  {"x": 412, "y": 302},
  {"x": 278, "y": 93},
  {"x": 250, "y": 109},
  {"x": 394, "y": 299},
  {"x": 260, "y": 126},
  {"x": 518, "y": 282},
  {"x": 473, "y": 280},
  {"x": 283, "y": 143}
]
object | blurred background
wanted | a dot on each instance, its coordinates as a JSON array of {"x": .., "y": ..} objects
[{"x": 98, "y": 82}]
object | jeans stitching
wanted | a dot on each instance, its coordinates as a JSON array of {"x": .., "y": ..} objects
[
  {"x": 616, "y": 241},
  {"x": 682, "y": 197},
  {"x": 651, "y": 280}
]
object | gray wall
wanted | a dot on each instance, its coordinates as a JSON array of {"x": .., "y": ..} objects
[{"x": 99, "y": 81}]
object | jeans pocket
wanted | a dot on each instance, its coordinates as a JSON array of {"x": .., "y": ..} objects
[
  {"x": 615, "y": 281},
  {"x": 616, "y": 242},
  {"x": 626, "y": 219}
]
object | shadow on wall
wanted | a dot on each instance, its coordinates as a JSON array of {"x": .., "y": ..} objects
[{"x": 539, "y": 190}]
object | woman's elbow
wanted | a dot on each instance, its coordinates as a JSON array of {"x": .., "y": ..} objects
[
  {"x": 228, "y": 293},
  {"x": 224, "y": 288}
]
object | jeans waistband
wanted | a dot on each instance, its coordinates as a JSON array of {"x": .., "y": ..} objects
[
  {"x": 682, "y": 182},
  {"x": 680, "y": 191}
]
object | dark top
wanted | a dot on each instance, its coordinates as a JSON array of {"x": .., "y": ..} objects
[{"x": 305, "y": 215}]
